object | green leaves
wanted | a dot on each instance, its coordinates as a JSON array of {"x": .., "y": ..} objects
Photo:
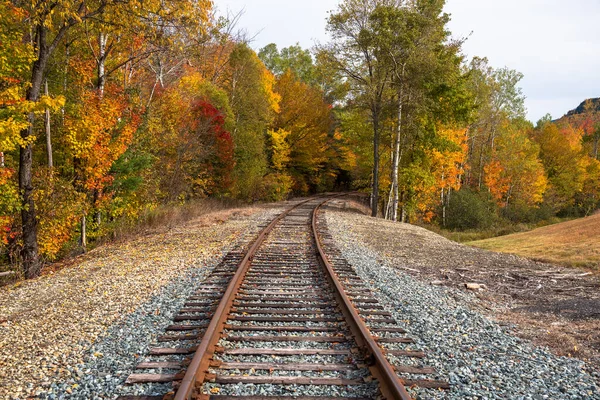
[{"x": 293, "y": 58}]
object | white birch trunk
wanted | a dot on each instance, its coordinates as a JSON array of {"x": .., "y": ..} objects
[
  {"x": 83, "y": 240},
  {"x": 393, "y": 214},
  {"x": 48, "y": 131},
  {"x": 102, "y": 39}
]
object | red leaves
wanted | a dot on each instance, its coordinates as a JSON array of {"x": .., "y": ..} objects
[{"x": 220, "y": 162}]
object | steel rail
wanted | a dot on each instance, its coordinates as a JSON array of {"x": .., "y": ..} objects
[
  {"x": 390, "y": 384},
  {"x": 198, "y": 368}
]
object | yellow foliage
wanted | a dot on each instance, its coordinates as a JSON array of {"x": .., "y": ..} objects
[
  {"x": 98, "y": 133},
  {"x": 281, "y": 149},
  {"x": 268, "y": 84},
  {"x": 447, "y": 165},
  {"x": 277, "y": 186},
  {"x": 515, "y": 174},
  {"x": 58, "y": 208}
]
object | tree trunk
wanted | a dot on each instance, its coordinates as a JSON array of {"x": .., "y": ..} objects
[
  {"x": 65, "y": 79},
  {"x": 83, "y": 238},
  {"x": 375, "y": 189},
  {"x": 78, "y": 184},
  {"x": 403, "y": 209},
  {"x": 443, "y": 209},
  {"x": 101, "y": 64},
  {"x": 386, "y": 215},
  {"x": 29, "y": 252},
  {"x": 48, "y": 132},
  {"x": 96, "y": 199},
  {"x": 443, "y": 202},
  {"x": 470, "y": 157},
  {"x": 397, "y": 155},
  {"x": 1, "y": 159},
  {"x": 396, "y": 163},
  {"x": 102, "y": 39},
  {"x": 480, "y": 177}
]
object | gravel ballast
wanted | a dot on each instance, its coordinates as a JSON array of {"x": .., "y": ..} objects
[
  {"x": 290, "y": 238},
  {"x": 79, "y": 332},
  {"x": 479, "y": 358}
]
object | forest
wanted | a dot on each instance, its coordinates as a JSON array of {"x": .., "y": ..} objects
[{"x": 110, "y": 110}]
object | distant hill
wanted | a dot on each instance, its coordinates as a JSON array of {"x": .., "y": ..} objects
[
  {"x": 589, "y": 104},
  {"x": 586, "y": 116}
]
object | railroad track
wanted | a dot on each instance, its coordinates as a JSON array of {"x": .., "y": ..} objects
[{"x": 287, "y": 317}]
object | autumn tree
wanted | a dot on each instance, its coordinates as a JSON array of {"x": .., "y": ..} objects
[
  {"x": 353, "y": 52},
  {"x": 278, "y": 183},
  {"x": 49, "y": 22},
  {"x": 109, "y": 28},
  {"x": 307, "y": 118},
  {"x": 589, "y": 198},
  {"x": 187, "y": 136},
  {"x": 498, "y": 98},
  {"x": 447, "y": 167},
  {"x": 15, "y": 57},
  {"x": 561, "y": 153},
  {"x": 254, "y": 102},
  {"x": 425, "y": 75},
  {"x": 515, "y": 174}
]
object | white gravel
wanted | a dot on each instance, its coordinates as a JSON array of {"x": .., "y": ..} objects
[{"x": 478, "y": 357}]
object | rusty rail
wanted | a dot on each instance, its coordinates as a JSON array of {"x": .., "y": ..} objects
[
  {"x": 390, "y": 385},
  {"x": 199, "y": 365}
]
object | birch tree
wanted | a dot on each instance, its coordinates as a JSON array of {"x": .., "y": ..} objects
[{"x": 354, "y": 52}]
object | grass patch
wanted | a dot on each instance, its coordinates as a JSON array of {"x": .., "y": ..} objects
[
  {"x": 573, "y": 243},
  {"x": 499, "y": 229},
  {"x": 471, "y": 235}
]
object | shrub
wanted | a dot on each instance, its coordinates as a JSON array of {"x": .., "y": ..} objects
[
  {"x": 527, "y": 214},
  {"x": 277, "y": 186},
  {"x": 469, "y": 209}
]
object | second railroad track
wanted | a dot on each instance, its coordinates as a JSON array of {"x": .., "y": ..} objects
[{"x": 288, "y": 317}]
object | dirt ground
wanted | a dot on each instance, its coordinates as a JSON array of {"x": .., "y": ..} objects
[{"x": 550, "y": 305}]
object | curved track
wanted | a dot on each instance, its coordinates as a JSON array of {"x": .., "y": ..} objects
[{"x": 289, "y": 317}]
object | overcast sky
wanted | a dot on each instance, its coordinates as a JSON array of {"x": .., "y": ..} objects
[{"x": 554, "y": 43}]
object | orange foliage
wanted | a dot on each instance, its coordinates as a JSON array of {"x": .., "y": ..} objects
[
  {"x": 307, "y": 117},
  {"x": 447, "y": 165},
  {"x": 515, "y": 173},
  {"x": 98, "y": 133}
]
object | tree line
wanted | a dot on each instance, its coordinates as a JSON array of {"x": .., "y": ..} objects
[
  {"x": 444, "y": 140},
  {"x": 109, "y": 110}
]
